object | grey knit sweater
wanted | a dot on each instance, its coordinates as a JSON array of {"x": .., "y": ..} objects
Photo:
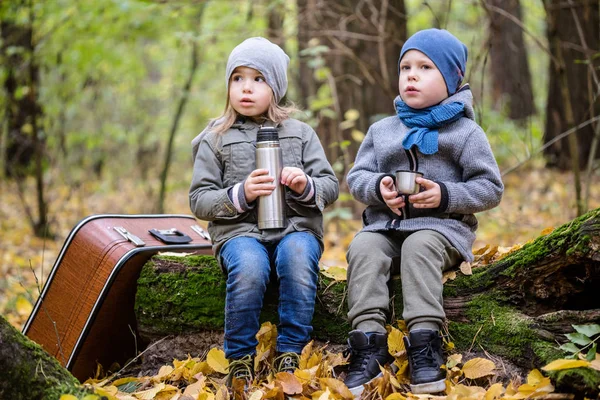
[{"x": 464, "y": 167}]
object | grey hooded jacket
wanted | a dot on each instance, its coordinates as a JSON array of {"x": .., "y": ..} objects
[
  {"x": 222, "y": 160},
  {"x": 464, "y": 167}
]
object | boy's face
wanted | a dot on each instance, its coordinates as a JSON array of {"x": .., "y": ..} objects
[
  {"x": 420, "y": 83},
  {"x": 249, "y": 93}
]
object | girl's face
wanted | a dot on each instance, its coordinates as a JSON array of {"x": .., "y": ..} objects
[
  {"x": 249, "y": 93},
  {"x": 420, "y": 83}
]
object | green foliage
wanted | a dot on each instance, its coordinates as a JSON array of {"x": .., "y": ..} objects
[{"x": 583, "y": 341}]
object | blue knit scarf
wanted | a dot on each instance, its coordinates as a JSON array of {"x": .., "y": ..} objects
[{"x": 425, "y": 122}]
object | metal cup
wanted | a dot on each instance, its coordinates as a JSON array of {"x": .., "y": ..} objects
[{"x": 405, "y": 182}]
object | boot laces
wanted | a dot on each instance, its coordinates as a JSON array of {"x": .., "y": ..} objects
[
  {"x": 286, "y": 362},
  {"x": 242, "y": 368},
  {"x": 424, "y": 357},
  {"x": 358, "y": 359}
]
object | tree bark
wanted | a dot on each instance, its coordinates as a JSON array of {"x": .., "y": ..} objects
[
  {"x": 511, "y": 78},
  {"x": 517, "y": 308},
  {"x": 27, "y": 372},
  {"x": 575, "y": 27}
]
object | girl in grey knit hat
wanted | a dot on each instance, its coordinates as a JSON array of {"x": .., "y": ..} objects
[{"x": 225, "y": 187}]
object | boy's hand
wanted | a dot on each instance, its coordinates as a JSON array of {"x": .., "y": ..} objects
[
  {"x": 294, "y": 178},
  {"x": 429, "y": 198},
  {"x": 390, "y": 195},
  {"x": 258, "y": 183}
]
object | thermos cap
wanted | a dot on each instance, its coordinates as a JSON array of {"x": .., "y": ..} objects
[{"x": 267, "y": 134}]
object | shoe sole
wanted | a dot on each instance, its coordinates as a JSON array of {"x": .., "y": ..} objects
[{"x": 429, "y": 387}]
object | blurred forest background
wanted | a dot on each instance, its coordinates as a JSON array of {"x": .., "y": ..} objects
[{"x": 100, "y": 100}]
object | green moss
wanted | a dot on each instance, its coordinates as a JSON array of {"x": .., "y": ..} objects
[
  {"x": 189, "y": 300},
  {"x": 585, "y": 381},
  {"x": 505, "y": 332}
]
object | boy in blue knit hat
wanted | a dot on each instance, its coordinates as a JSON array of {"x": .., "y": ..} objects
[{"x": 434, "y": 132}]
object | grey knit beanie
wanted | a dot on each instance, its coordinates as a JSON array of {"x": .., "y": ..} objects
[{"x": 265, "y": 57}]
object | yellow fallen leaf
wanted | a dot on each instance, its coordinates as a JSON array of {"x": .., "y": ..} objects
[
  {"x": 547, "y": 231},
  {"x": 325, "y": 395},
  {"x": 336, "y": 387},
  {"x": 195, "y": 388},
  {"x": 535, "y": 377},
  {"x": 451, "y": 275},
  {"x": 23, "y": 306},
  {"x": 395, "y": 396},
  {"x": 67, "y": 397},
  {"x": 303, "y": 375},
  {"x": 123, "y": 381},
  {"x": 478, "y": 367},
  {"x": 494, "y": 392},
  {"x": 335, "y": 273},
  {"x": 396, "y": 343},
  {"x": 222, "y": 393},
  {"x": 163, "y": 373},
  {"x": 217, "y": 361},
  {"x": 289, "y": 383},
  {"x": 454, "y": 360},
  {"x": 462, "y": 392},
  {"x": 206, "y": 396},
  {"x": 481, "y": 250},
  {"x": 565, "y": 364},
  {"x": 258, "y": 395},
  {"x": 465, "y": 268},
  {"x": 149, "y": 393}
]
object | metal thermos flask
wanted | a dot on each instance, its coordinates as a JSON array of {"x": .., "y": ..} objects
[{"x": 271, "y": 208}]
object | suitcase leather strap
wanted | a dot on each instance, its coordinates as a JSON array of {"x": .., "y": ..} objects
[{"x": 170, "y": 236}]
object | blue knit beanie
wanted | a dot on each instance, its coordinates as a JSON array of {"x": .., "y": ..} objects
[{"x": 447, "y": 53}]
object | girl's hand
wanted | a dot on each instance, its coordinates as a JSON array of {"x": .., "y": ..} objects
[
  {"x": 294, "y": 178},
  {"x": 390, "y": 195},
  {"x": 258, "y": 184},
  {"x": 429, "y": 198}
]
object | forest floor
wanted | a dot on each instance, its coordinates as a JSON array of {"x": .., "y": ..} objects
[{"x": 534, "y": 200}]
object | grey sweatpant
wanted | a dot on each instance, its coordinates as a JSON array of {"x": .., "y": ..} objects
[{"x": 423, "y": 255}]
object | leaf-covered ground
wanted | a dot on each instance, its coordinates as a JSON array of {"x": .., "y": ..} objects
[{"x": 535, "y": 200}]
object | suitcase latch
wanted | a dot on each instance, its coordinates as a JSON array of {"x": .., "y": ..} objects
[
  {"x": 203, "y": 234},
  {"x": 130, "y": 236}
]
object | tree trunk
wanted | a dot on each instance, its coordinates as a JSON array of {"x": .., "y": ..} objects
[
  {"x": 28, "y": 372},
  {"x": 364, "y": 41},
  {"x": 26, "y": 145},
  {"x": 511, "y": 78},
  {"x": 575, "y": 27},
  {"x": 178, "y": 114},
  {"x": 517, "y": 308}
]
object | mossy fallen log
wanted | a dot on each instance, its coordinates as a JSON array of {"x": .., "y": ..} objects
[
  {"x": 517, "y": 308},
  {"x": 28, "y": 372}
]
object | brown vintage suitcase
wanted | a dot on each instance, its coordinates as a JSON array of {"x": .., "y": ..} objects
[{"x": 85, "y": 313}]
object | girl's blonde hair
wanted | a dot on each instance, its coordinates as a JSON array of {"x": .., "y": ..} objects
[{"x": 275, "y": 113}]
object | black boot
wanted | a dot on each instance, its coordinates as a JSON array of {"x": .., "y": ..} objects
[
  {"x": 424, "y": 348},
  {"x": 367, "y": 353}
]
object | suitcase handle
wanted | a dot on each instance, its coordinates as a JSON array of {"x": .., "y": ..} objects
[{"x": 170, "y": 236}]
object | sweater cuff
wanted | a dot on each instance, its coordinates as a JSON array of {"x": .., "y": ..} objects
[
  {"x": 377, "y": 191},
  {"x": 445, "y": 198},
  {"x": 308, "y": 195},
  {"x": 238, "y": 197}
]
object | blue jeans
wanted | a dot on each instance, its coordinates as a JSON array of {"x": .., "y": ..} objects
[{"x": 248, "y": 262}]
